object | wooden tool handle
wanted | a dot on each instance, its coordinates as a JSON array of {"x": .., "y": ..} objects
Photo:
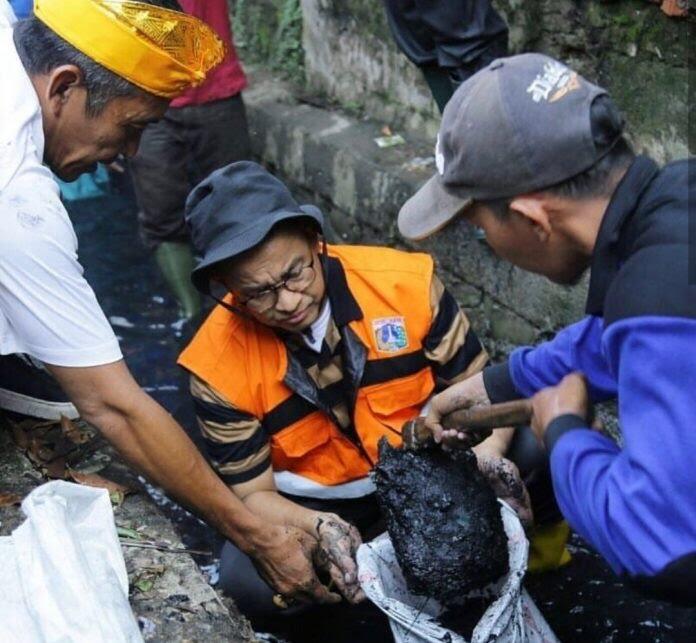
[
  {"x": 490, "y": 417},
  {"x": 478, "y": 421}
]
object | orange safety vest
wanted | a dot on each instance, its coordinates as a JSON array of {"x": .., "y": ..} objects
[{"x": 248, "y": 364}]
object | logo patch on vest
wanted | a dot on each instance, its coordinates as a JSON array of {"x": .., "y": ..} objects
[{"x": 390, "y": 334}]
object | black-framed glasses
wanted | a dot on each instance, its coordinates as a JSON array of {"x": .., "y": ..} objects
[{"x": 297, "y": 280}]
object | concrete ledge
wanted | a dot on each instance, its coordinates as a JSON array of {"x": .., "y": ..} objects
[{"x": 333, "y": 159}]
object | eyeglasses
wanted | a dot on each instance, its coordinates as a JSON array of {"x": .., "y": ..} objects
[{"x": 297, "y": 280}]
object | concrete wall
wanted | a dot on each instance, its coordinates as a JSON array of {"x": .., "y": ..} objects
[{"x": 628, "y": 46}]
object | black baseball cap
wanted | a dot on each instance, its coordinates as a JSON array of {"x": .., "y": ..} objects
[
  {"x": 522, "y": 124},
  {"x": 233, "y": 210}
]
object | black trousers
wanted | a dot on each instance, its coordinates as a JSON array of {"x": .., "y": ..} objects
[
  {"x": 450, "y": 40},
  {"x": 176, "y": 154}
]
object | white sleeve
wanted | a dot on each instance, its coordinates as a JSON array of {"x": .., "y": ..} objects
[{"x": 47, "y": 308}]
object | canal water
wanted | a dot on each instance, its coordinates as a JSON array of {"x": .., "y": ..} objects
[{"x": 582, "y": 602}]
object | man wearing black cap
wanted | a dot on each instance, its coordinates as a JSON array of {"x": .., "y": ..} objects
[
  {"x": 534, "y": 154},
  {"x": 315, "y": 353}
]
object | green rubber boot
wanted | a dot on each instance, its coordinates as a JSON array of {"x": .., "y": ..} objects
[{"x": 175, "y": 261}]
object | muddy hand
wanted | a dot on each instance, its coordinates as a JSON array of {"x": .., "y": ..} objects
[
  {"x": 338, "y": 544},
  {"x": 286, "y": 562},
  {"x": 462, "y": 395},
  {"x": 506, "y": 482}
]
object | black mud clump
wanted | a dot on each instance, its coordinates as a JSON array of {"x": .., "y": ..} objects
[{"x": 443, "y": 519}]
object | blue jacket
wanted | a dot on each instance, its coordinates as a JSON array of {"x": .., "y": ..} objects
[{"x": 636, "y": 504}]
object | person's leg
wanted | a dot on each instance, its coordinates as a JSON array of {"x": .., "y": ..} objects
[
  {"x": 161, "y": 188},
  {"x": 497, "y": 48},
  {"x": 547, "y": 542},
  {"x": 27, "y": 388},
  {"x": 216, "y": 134},
  {"x": 440, "y": 83},
  {"x": 254, "y": 597}
]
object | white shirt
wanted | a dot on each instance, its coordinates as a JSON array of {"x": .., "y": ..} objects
[
  {"x": 47, "y": 308},
  {"x": 317, "y": 331}
]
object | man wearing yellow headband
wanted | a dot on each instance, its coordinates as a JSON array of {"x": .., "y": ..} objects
[{"x": 81, "y": 79}]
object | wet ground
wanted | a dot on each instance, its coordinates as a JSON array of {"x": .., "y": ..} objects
[{"x": 582, "y": 602}]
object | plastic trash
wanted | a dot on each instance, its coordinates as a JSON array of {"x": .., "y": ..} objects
[
  {"x": 512, "y": 616},
  {"x": 86, "y": 186},
  {"x": 62, "y": 574}
]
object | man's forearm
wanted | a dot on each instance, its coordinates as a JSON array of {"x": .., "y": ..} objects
[
  {"x": 152, "y": 442},
  {"x": 179, "y": 469},
  {"x": 271, "y": 507}
]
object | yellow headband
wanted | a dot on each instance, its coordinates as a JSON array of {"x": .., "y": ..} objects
[{"x": 162, "y": 51}]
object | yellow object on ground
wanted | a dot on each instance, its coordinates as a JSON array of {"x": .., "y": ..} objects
[
  {"x": 161, "y": 51},
  {"x": 547, "y": 547}
]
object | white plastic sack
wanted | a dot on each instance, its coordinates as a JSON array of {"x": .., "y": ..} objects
[
  {"x": 512, "y": 617},
  {"x": 62, "y": 574}
]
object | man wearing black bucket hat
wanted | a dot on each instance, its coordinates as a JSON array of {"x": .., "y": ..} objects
[
  {"x": 534, "y": 154},
  {"x": 313, "y": 355}
]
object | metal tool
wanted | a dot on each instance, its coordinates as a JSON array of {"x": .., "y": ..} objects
[{"x": 477, "y": 422}]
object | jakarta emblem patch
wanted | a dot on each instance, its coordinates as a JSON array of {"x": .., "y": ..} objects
[{"x": 390, "y": 334}]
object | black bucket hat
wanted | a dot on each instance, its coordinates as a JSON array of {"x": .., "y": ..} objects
[{"x": 233, "y": 210}]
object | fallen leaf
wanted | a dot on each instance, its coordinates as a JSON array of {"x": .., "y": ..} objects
[
  {"x": 675, "y": 8},
  {"x": 8, "y": 499},
  {"x": 95, "y": 480},
  {"x": 144, "y": 584},
  {"x": 72, "y": 432},
  {"x": 127, "y": 532},
  {"x": 55, "y": 469}
]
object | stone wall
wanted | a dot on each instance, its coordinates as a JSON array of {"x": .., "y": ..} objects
[{"x": 628, "y": 46}]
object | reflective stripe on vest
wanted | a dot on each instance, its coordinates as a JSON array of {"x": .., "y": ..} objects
[{"x": 297, "y": 485}]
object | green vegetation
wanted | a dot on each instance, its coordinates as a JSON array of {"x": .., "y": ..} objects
[{"x": 270, "y": 32}]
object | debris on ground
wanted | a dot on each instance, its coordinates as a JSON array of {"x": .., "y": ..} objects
[
  {"x": 420, "y": 163},
  {"x": 67, "y": 450},
  {"x": 389, "y": 139},
  {"x": 9, "y": 499},
  {"x": 444, "y": 521},
  {"x": 675, "y": 8},
  {"x": 168, "y": 594}
]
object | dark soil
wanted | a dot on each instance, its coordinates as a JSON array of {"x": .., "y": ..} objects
[
  {"x": 443, "y": 519},
  {"x": 463, "y": 621}
]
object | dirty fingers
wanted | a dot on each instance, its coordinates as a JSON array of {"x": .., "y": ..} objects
[{"x": 338, "y": 544}]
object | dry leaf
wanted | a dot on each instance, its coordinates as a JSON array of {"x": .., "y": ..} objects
[
  {"x": 72, "y": 432},
  {"x": 675, "y": 8},
  {"x": 95, "y": 480},
  {"x": 8, "y": 499}
]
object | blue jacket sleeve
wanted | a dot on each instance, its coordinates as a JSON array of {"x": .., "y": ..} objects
[
  {"x": 576, "y": 348},
  {"x": 636, "y": 504}
]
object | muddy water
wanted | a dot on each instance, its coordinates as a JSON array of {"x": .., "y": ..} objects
[{"x": 582, "y": 602}]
